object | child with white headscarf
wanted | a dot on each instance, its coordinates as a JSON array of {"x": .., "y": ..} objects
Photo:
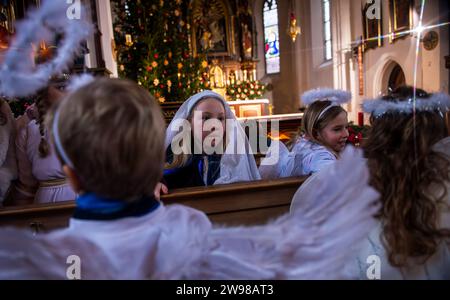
[{"x": 206, "y": 145}]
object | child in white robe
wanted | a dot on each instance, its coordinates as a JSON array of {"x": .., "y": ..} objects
[
  {"x": 321, "y": 139},
  {"x": 408, "y": 154},
  {"x": 110, "y": 137}
]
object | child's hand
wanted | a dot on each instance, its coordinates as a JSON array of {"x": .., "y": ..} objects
[{"x": 160, "y": 189}]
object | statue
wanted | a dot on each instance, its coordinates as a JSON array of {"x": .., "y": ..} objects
[
  {"x": 216, "y": 77},
  {"x": 247, "y": 43}
]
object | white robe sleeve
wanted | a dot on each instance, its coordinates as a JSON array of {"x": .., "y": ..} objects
[
  {"x": 316, "y": 161},
  {"x": 24, "y": 256},
  {"x": 273, "y": 164}
]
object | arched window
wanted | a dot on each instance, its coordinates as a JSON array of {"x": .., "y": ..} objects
[
  {"x": 397, "y": 78},
  {"x": 271, "y": 37},
  {"x": 327, "y": 39}
]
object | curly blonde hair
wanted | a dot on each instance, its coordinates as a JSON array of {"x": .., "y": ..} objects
[{"x": 404, "y": 167}]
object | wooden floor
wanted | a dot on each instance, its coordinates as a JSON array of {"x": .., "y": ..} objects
[{"x": 251, "y": 203}]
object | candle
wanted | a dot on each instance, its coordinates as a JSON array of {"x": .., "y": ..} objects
[
  {"x": 360, "y": 119},
  {"x": 254, "y": 74}
]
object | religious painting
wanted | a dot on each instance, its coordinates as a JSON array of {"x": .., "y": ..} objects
[
  {"x": 246, "y": 25},
  {"x": 211, "y": 27},
  {"x": 401, "y": 17},
  {"x": 373, "y": 30},
  {"x": 7, "y": 15},
  {"x": 248, "y": 111}
]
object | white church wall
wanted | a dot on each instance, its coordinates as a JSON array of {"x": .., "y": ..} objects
[
  {"x": 322, "y": 71},
  {"x": 431, "y": 72},
  {"x": 107, "y": 38}
]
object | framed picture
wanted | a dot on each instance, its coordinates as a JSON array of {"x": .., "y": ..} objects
[
  {"x": 401, "y": 18},
  {"x": 373, "y": 28},
  {"x": 212, "y": 28},
  {"x": 247, "y": 111}
]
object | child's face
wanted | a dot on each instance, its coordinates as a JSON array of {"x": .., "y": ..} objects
[
  {"x": 335, "y": 134},
  {"x": 213, "y": 111}
]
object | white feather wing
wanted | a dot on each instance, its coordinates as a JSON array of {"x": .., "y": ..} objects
[{"x": 336, "y": 211}]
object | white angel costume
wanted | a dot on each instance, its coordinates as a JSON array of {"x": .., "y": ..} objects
[
  {"x": 177, "y": 242},
  {"x": 307, "y": 156},
  {"x": 237, "y": 163},
  {"x": 371, "y": 250},
  {"x": 436, "y": 267}
]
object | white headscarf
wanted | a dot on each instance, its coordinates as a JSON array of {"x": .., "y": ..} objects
[{"x": 233, "y": 167}]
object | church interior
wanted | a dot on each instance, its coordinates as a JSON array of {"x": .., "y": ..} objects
[{"x": 259, "y": 56}]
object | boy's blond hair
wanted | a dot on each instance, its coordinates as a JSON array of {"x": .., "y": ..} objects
[{"x": 113, "y": 132}]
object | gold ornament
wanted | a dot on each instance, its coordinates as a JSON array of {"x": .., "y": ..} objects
[
  {"x": 294, "y": 30},
  {"x": 216, "y": 75},
  {"x": 162, "y": 99},
  {"x": 166, "y": 62},
  {"x": 156, "y": 82},
  {"x": 154, "y": 64},
  {"x": 204, "y": 64}
]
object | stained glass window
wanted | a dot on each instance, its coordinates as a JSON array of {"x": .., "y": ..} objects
[
  {"x": 271, "y": 37},
  {"x": 327, "y": 40}
]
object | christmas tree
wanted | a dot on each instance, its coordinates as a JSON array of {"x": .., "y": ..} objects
[{"x": 153, "y": 47}]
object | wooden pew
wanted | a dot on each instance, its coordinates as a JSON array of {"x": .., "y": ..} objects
[{"x": 237, "y": 204}]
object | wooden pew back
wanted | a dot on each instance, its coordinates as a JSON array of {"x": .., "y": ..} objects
[{"x": 251, "y": 203}]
